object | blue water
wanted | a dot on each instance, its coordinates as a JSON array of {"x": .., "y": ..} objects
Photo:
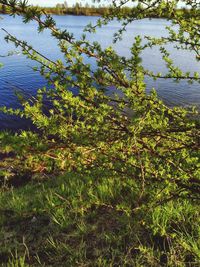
[{"x": 17, "y": 74}]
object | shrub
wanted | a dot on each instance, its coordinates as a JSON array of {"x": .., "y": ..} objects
[{"x": 157, "y": 146}]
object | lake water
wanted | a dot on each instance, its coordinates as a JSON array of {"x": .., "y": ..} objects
[{"x": 17, "y": 73}]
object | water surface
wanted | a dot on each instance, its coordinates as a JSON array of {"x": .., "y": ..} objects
[{"x": 17, "y": 73}]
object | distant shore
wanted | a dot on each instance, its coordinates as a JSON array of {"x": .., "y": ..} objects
[{"x": 78, "y": 10}]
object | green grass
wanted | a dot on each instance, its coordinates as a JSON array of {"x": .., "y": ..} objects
[{"x": 90, "y": 220}]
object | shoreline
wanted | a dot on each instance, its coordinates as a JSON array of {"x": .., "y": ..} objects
[{"x": 90, "y": 11}]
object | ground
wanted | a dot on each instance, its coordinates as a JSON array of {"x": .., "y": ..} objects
[{"x": 85, "y": 220}]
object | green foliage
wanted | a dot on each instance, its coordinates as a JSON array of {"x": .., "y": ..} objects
[
  {"x": 146, "y": 152},
  {"x": 156, "y": 145}
]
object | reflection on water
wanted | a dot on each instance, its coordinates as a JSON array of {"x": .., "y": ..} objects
[{"x": 17, "y": 73}]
